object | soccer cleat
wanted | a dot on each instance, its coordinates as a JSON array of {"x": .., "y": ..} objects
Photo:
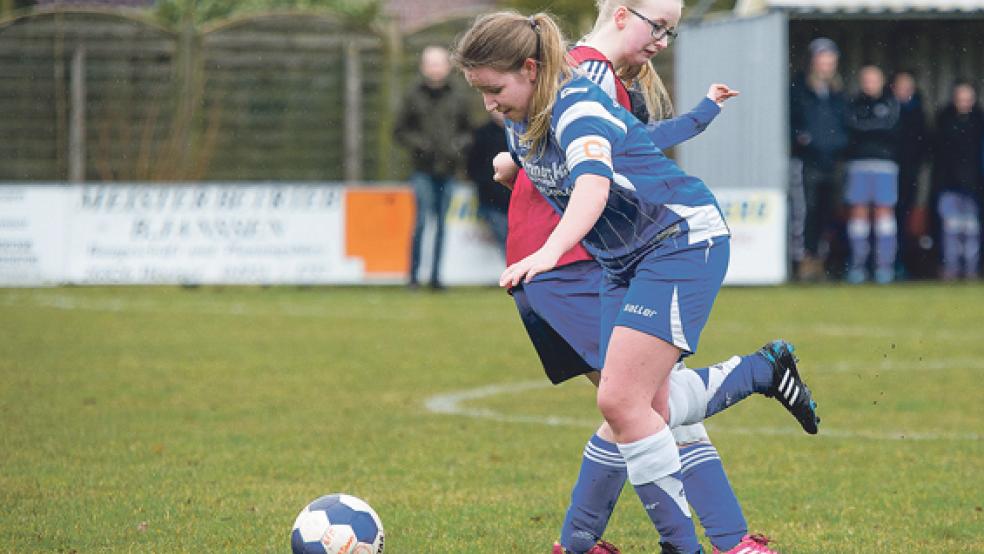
[
  {"x": 667, "y": 548},
  {"x": 750, "y": 544},
  {"x": 884, "y": 275},
  {"x": 604, "y": 548},
  {"x": 856, "y": 276},
  {"x": 788, "y": 387},
  {"x": 601, "y": 547}
]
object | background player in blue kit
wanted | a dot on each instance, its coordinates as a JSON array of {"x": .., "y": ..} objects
[
  {"x": 873, "y": 119},
  {"x": 657, "y": 232}
]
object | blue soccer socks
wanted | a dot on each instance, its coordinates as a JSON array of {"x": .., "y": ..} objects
[
  {"x": 732, "y": 381},
  {"x": 711, "y": 495},
  {"x": 598, "y": 486},
  {"x": 653, "y": 465},
  {"x": 697, "y": 394}
]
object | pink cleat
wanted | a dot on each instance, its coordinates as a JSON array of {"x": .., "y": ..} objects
[
  {"x": 601, "y": 547},
  {"x": 750, "y": 544}
]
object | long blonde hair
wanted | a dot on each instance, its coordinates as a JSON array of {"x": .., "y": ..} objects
[
  {"x": 503, "y": 41},
  {"x": 657, "y": 98}
]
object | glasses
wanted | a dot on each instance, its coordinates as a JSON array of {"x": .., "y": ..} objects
[{"x": 659, "y": 30}]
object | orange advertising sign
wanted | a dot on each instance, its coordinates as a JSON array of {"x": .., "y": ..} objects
[{"x": 378, "y": 228}]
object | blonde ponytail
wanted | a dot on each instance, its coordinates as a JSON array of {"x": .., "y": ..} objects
[
  {"x": 503, "y": 41},
  {"x": 658, "y": 101}
]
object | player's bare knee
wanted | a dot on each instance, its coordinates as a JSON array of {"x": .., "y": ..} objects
[{"x": 616, "y": 409}]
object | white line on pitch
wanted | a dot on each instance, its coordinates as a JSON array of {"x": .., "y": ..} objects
[{"x": 450, "y": 404}]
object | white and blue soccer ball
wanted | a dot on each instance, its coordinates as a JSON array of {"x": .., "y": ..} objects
[{"x": 337, "y": 524}]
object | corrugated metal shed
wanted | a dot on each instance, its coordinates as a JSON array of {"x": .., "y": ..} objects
[
  {"x": 746, "y": 146},
  {"x": 921, "y": 8}
]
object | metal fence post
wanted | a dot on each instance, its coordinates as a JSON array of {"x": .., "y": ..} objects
[
  {"x": 76, "y": 125},
  {"x": 353, "y": 112},
  {"x": 392, "y": 47}
]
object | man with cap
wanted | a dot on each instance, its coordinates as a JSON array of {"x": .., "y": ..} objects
[{"x": 817, "y": 121}]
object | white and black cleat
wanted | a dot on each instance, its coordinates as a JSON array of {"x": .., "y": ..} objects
[{"x": 788, "y": 387}]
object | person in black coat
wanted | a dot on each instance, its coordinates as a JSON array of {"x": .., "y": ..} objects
[
  {"x": 493, "y": 198},
  {"x": 959, "y": 179},
  {"x": 917, "y": 258}
]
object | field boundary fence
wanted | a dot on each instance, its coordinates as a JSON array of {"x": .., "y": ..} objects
[{"x": 101, "y": 95}]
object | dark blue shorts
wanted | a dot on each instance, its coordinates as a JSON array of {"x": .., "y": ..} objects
[
  {"x": 561, "y": 310},
  {"x": 668, "y": 294}
]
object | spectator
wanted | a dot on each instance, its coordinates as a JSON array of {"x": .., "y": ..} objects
[
  {"x": 433, "y": 124},
  {"x": 872, "y": 177},
  {"x": 817, "y": 111},
  {"x": 959, "y": 180},
  {"x": 493, "y": 198},
  {"x": 911, "y": 215}
]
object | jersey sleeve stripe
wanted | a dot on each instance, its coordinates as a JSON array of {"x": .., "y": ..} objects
[
  {"x": 583, "y": 109},
  {"x": 600, "y": 74}
]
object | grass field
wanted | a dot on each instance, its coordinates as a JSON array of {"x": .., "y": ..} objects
[{"x": 202, "y": 420}]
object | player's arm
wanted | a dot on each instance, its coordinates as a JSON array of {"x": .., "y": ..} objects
[
  {"x": 585, "y": 130},
  {"x": 504, "y": 169},
  {"x": 670, "y": 132},
  {"x": 585, "y": 206}
]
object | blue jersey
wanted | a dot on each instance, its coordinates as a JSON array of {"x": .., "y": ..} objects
[
  {"x": 665, "y": 133},
  {"x": 650, "y": 200}
]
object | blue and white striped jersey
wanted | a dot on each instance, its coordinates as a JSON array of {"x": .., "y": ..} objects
[
  {"x": 664, "y": 133},
  {"x": 650, "y": 199}
]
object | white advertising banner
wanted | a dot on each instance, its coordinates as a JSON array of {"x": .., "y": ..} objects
[
  {"x": 32, "y": 234},
  {"x": 325, "y": 233},
  {"x": 757, "y": 219},
  {"x": 208, "y": 234}
]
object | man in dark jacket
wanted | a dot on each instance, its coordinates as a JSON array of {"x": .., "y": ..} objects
[
  {"x": 433, "y": 124},
  {"x": 959, "y": 178},
  {"x": 872, "y": 176},
  {"x": 817, "y": 111}
]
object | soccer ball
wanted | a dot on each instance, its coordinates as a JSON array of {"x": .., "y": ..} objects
[{"x": 337, "y": 524}]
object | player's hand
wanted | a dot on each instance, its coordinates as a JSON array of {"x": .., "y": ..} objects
[
  {"x": 504, "y": 169},
  {"x": 718, "y": 93},
  {"x": 529, "y": 267}
]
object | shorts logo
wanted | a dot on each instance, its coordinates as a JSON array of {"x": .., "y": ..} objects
[{"x": 639, "y": 310}]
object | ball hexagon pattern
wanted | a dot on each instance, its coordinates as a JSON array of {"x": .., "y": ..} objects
[{"x": 337, "y": 524}]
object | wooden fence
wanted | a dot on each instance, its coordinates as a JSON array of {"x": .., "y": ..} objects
[{"x": 98, "y": 95}]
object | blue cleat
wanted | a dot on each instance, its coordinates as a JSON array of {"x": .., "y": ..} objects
[
  {"x": 856, "y": 276},
  {"x": 787, "y": 386}
]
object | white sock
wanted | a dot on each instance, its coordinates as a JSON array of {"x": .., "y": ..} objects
[
  {"x": 688, "y": 394},
  {"x": 651, "y": 458}
]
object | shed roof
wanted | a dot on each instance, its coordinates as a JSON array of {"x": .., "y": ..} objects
[{"x": 863, "y": 7}]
